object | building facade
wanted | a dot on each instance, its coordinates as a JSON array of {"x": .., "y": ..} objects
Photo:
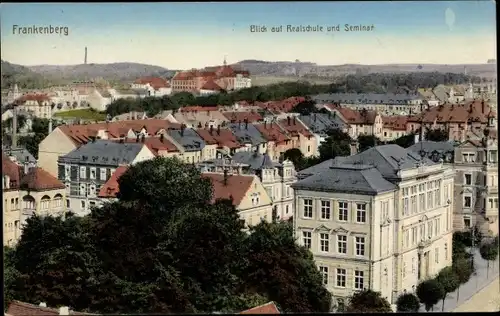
[{"x": 380, "y": 220}]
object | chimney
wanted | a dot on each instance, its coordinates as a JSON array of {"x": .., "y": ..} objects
[
  {"x": 64, "y": 310},
  {"x": 265, "y": 124},
  {"x": 182, "y": 129},
  {"x": 162, "y": 138},
  {"x": 42, "y": 304},
  {"x": 225, "y": 177},
  {"x": 288, "y": 119},
  {"x": 246, "y": 123},
  {"x": 294, "y": 120},
  {"x": 211, "y": 129},
  {"x": 14, "y": 127},
  {"x": 143, "y": 139},
  {"x": 137, "y": 138},
  {"x": 218, "y": 130},
  {"x": 482, "y": 106}
]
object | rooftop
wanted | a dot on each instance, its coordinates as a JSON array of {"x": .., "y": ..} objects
[
  {"x": 268, "y": 308},
  {"x": 104, "y": 152},
  {"x": 255, "y": 160},
  {"x": 111, "y": 188},
  {"x": 235, "y": 188},
  {"x": 38, "y": 179},
  {"x": 188, "y": 139},
  {"x": 321, "y": 122},
  {"x": 367, "y": 98},
  {"x": 246, "y": 133},
  {"x": 17, "y": 308}
]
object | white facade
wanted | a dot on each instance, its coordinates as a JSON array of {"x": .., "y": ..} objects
[
  {"x": 205, "y": 92},
  {"x": 387, "y": 242},
  {"x": 98, "y": 102},
  {"x": 241, "y": 82}
]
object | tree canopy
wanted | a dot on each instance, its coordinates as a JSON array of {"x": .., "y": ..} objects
[
  {"x": 367, "y": 141},
  {"x": 408, "y": 302},
  {"x": 429, "y": 292},
  {"x": 163, "y": 247},
  {"x": 449, "y": 281},
  {"x": 368, "y": 301}
]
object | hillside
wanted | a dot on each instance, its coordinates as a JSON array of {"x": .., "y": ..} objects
[
  {"x": 305, "y": 69},
  {"x": 23, "y": 76},
  {"x": 114, "y": 71}
]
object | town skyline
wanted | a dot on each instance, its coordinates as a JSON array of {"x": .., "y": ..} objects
[{"x": 211, "y": 31}]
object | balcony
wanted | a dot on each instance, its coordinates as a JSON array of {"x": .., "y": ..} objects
[{"x": 28, "y": 211}]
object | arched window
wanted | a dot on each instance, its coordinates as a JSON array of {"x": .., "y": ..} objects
[
  {"x": 57, "y": 201},
  {"x": 29, "y": 202},
  {"x": 45, "y": 202}
]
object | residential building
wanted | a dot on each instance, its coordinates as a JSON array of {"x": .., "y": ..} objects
[
  {"x": 155, "y": 87},
  {"x": 85, "y": 169},
  {"x": 276, "y": 178},
  {"x": 429, "y": 97},
  {"x": 27, "y": 190},
  {"x": 13, "y": 95},
  {"x": 243, "y": 116},
  {"x": 277, "y": 140},
  {"x": 475, "y": 162},
  {"x": 99, "y": 99},
  {"x": 386, "y": 104},
  {"x": 248, "y": 135},
  {"x": 210, "y": 87},
  {"x": 158, "y": 145},
  {"x": 321, "y": 123},
  {"x": 109, "y": 191},
  {"x": 300, "y": 136},
  {"x": 38, "y": 105},
  {"x": 65, "y": 138},
  {"x": 393, "y": 127},
  {"x": 223, "y": 139},
  {"x": 281, "y": 106},
  {"x": 380, "y": 220},
  {"x": 360, "y": 122},
  {"x": 20, "y": 155},
  {"x": 192, "y": 148},
  {"x": 247, "y": 193},
  {"x": 457, "y": 119},
  {"x": 197, "y": 116}
]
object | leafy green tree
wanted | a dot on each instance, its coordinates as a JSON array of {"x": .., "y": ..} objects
[
  {"x": 305, "y": 108},
  {"x": 408, "y": 302},
  {"x": 404, "y": 141},
  {"x": 283, "y": 270},
  {"x": 489, "y": 252},
  {"x": 368, "y": 301},
  {"x": 463, "y": 270},
  {"x": 336, "y": 144},
  {"x": 449, "y": 280},
  {"x": 11, "y": 277},
  {"x": 296, "y": 156},
  {"x": 429, "y": 292},
  {"x": 21, "y": 122},
  {"x": 437, "y": 135},
  {"x": 367, "y": 141}
]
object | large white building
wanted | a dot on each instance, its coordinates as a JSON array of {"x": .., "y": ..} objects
[{"x": 381, "y": 219}]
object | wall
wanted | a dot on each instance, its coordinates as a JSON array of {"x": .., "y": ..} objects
[{"x": 54, "y": 145}]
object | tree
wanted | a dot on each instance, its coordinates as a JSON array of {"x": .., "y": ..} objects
[
  {"x": 463, "y": 271},
  {"x": 368, "y": 301},
  {"x": 429, "y": 292},
  {"x": 305, "y": 107},
  {"x": 408, "y": 302},
  {"x": 336, "y": 144},
  {"x": 449, "y": 280},
  {"x": 367, "y": 141},
  {"x": 296, "y": 156},
  {"x": 11, "y": 277},
  {"x": 437, "y": 135},
  {"x": 284, "y": 271},
  {"x": 404, "y": 141},
  {"x": 489, "y": 252}
]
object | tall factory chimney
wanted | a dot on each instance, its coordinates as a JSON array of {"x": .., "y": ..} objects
[{"x": 85, "y": 61}]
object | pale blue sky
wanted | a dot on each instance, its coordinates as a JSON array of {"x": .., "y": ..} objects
[{"x": 186, "y": 35}]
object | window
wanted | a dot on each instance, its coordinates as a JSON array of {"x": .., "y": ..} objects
[
  {"x": 421, "y": 201},
  {"x": 437, "y": 226},
  {"x": 385, "y": 210},
  {"x": 437, "y": 197},
  {"x": 414, "y": 235},
  {"x": 324, "y": 241},
  {"x": 493, "y": 203},
  {"x": 308, "y": 208},
  {"x": 324, "y": 274},
  {"x": 469, "y": 157},
  {"x": 468, "y": 179},
  {"x": 422, "y": 232},
  {"x": 429, "y": 200},
  {"x": 446, "y": 252},
  {"x": 406, "y": 235},
  {"x": 92, "y": 173},
  {"x": 413, "y": 204},
  {"x": 82, "y": 204},
  {"x": 341, "y": 277},
  {"x": 359, "y": 280},
  {"x": 287, "y": 209},
  {"x": 446, "y": 193},
  {"x": 45, "y": 203},
  {"x": 360, "y": 213},
  {"x": 404, "y": 269},
  {"x": 467, "y": 201},
  {"x": 429, "y": 228},
  {"x": 68, "y": 203},
  {"x": 343, "y": 211},
  {"x": 413, "y": 265},
  {"x": 342, "y": 244},
  {"x": 467, "y": 221},
  {"x": 360, "y": 246},
  {"x": 325, "y": 209},
  {"x": 307, "y": 239},
  {"x": 436, "y": 255},
  {"x": 82, "y": 189},
  {"x": 83, "y": 173},
  {"x": 405, "y": 206},
  {"x": 493, "y": 155}
]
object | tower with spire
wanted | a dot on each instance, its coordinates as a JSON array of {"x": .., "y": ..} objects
[{"x": 225, "y": 61}]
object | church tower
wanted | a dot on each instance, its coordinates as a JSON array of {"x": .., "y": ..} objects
[{"x": 225, "y": 61}]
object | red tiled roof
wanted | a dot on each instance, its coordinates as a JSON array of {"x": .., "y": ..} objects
[
  {"x": 397, "y": 122},
  {"x": 295, "y": 127},
  {"x": 211, "y": 85},
  {"x": 11, "y": 169},
  {"x": 32, "y": 97},
  {"x": 222, "y": 137},
  {"x": 17, "y": 308},
  {"x": 81, "y": 134},
  {"x": 268, "y": 308},
  {"x": 285, "y": 105},
  {"x": 154, "y": 82},
  {"x": 272, "y": 132},
  {"x": 111, "y": 187},
  {"x": 236, "y": 188},
  {"x": 357, "y": 117},
  {"x": 197, "y": 108},
  {"x": 155, "y": 144},
  {"x": 251, "y": 117},
  {"x": 453, "y": 113},
  {"x": 38, "y": 179}
]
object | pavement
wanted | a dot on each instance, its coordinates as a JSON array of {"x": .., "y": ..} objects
[{"x": 476, "y": 294}]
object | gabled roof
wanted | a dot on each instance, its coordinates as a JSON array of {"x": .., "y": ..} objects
[
  {"x": 236, "y": 186},
  {"x": 32, "y": 97},
  {"x": 321, "y": 123},
  {"x": 476, "y": 110},
  {"x": 221, "y": 136},
  {"x": 396, "y": 122},
  {"x": 255, "y": 160},
  {"x": 357, "y": 116},
  {"x": 250, "y": 117},
  {"x": 430, "y": 146},
  {"x": 272, "y": 132},
  {"x": 188, "y": 139},
  {"x": 11, "y": 169},
  {"x": 111, "y": 188},
  {"x": 154, "y": 82},
  {"x": 246, "y": 133},
  {"x": 294, "y": 126},
  {"x": 155, "y": 144},
  {"x": 211, "y": 85},
  {"x": 268, "y": 308},
  {"x": 17, "y": 308},
  {"x": 38, "y": 179}
]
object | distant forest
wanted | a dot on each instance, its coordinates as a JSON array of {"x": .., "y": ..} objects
[{"x": 371, "y": 83}]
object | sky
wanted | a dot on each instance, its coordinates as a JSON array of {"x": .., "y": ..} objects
[{"x": 194, "y": 35}]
